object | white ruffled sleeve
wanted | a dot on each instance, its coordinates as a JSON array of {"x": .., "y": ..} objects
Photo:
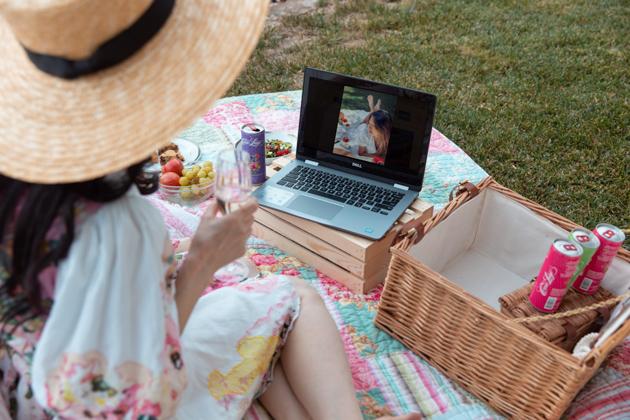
[
  {"x": 110, "y": 346},
  {"x": 365, "y": 139}
]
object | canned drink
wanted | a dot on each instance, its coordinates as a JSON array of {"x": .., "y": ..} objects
[
  {"x": 253, "y": 142},
  {"x": 611, "y": 238},
  {"x": 555, "y": 273},
  {"x": 590, "y": 243}
]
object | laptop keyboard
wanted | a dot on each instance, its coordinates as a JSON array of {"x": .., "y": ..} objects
[{"x": 334, "y": 187}]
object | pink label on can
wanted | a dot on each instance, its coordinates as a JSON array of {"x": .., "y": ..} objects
[
  {"x": 553, "y": 280},
  {"x": 593, "y": 274}
]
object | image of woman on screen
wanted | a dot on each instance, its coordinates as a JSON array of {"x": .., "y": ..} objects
[
  {"x": 373, "y": 134},
  {"x": 368, "y": 139}
]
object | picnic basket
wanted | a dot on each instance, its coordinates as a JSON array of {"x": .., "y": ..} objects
[
  {"x": 504, "y": 364},
  {"x": 567, "y": 331}
]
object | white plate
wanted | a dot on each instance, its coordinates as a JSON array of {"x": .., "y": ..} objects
[
  {"x": 276, "y": 135},
  {"x": 188, "y": 149}
]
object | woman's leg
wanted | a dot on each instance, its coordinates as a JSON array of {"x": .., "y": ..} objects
[
  {"x": 315, "y": 361},
  {"x": 373, "y": 107},
  {"x": 315, "y": 364},
  {"x": 280, "y": 400},
  {"x": 370, "y": 99}
]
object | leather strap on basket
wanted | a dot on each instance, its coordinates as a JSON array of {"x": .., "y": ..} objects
[
  {"x": 410, "y": 228},
  {"x": 463, "y": 186},
  {"x": 605, "y": 314},
  {"x": 417, "y": 228},
  {"x": 571, "y": 331}
]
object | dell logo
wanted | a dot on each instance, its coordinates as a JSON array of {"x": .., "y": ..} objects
[{"x": 358, "y": 165}]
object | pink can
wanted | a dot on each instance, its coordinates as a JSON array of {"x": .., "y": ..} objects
[
  {"x": 611, "y": 238},
  {"x": 555, "y": 274}
]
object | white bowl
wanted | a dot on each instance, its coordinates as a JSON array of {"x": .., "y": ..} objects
[{"x": 275, "y": 135}]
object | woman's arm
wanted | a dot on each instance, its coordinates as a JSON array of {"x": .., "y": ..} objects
[
  {"x": 218, "y": 242},
  {"x": 342, "y": 152},
  {"x": 363, "y": 152}
]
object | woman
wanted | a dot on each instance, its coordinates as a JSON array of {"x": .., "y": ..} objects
[
  {"x": 91, "y": 313},
  {"x": 373, "y": 134}
]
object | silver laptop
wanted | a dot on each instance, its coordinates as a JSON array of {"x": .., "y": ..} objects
[{"x": 361, "y": 154}]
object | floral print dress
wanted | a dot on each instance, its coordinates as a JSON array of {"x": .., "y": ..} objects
[{"x": 109, "y": 345}]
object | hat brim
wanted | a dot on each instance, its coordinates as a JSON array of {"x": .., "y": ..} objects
[{"x": 61, "y": 131}]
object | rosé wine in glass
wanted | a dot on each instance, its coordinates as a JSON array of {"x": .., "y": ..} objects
[{"x": 233, "y": 186}]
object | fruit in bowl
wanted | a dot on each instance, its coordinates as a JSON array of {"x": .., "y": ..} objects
[
  {"x": 173, "y": 165},
  {"x": 170, "y": 178},
  {"x": 190, "y": 183}
]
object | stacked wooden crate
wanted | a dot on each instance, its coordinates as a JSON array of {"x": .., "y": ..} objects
[{"x": 358, "y": 263}]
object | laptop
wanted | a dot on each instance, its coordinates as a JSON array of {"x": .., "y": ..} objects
[{"x": 361, "y": 154}]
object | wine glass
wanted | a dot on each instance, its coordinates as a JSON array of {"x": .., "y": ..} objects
[{"x": 232, "y": 187}]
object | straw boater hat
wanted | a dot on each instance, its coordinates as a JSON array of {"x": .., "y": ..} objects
[{"x": 89, "y": 87}]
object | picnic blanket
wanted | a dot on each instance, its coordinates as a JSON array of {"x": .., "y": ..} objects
[{"x": 389, "y": 379}]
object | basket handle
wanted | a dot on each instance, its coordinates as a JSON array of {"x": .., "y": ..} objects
[
  {"x": 464, "y": 186},
  {"x": 592, "y": 307},
  {"x": 599, "y": 353},
  {"x": 411, "y": 232}
]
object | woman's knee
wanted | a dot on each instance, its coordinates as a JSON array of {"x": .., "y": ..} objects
[{"x": 303, "y": 289}]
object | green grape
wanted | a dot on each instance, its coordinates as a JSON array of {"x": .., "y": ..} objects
[
  {"x": 183, "y": 181},
  {"x": 201, "y": 174},
  {"x": 190, "y": 174}
]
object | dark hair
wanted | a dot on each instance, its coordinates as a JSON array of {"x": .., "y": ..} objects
[
  {"x": 42, "y": 204},
  {"x": 383, "y": 122}
]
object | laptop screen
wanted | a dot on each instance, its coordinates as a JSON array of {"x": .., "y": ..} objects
[{"x": 365, "y": 127}]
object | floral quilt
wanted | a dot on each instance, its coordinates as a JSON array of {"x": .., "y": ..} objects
[{"x": 389, "y": 379}]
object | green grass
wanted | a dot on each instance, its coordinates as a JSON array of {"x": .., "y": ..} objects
[
  {"x": 354, "y": 98},
  {"x": 536, "y": 92}
]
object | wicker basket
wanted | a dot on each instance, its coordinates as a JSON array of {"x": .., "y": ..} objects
[
  {"x": 563, "y": 332},
  {"x": 516, "y": 372}
]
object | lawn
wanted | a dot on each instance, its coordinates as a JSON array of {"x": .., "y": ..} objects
[{"x": 536, "y": 92}]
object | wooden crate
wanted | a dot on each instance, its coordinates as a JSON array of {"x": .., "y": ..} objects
[{"x": 358, "y": 263}]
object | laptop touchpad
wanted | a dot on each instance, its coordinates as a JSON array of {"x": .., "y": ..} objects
[{"x": 315, "y": 207}]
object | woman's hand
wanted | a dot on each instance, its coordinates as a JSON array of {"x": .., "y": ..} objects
[{"x": 218, "y": 242}]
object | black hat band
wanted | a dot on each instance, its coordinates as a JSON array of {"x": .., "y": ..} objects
[{"x": 112, "y": 52}]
